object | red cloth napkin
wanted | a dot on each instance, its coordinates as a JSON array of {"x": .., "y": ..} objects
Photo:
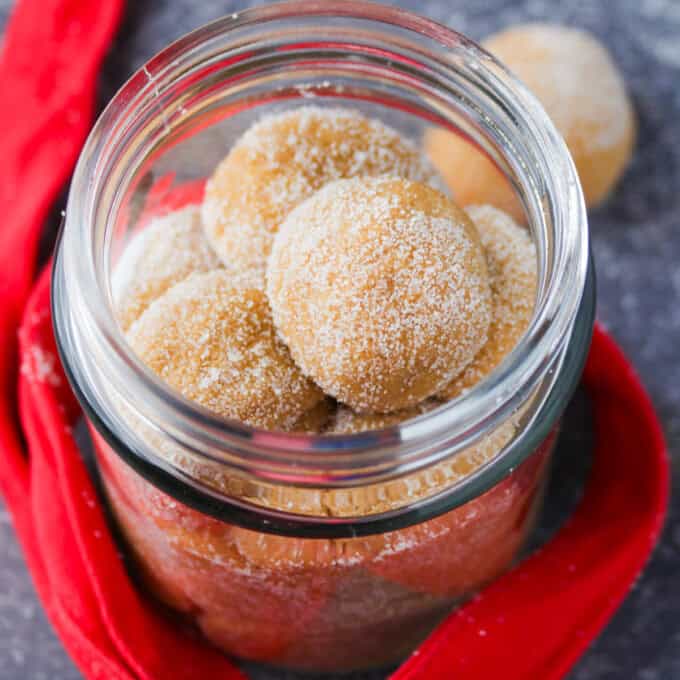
[{"x": 532, "y": 623}]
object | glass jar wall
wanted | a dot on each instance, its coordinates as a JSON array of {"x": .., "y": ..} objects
[{"x": 318, "y": 552}]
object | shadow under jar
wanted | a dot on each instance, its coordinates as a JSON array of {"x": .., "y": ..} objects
[{"x": 319, "y": 552}]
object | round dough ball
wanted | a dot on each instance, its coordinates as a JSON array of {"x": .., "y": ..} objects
[
  {"x": 348, "y": 422},
  {"x": 511, "y": 262},
  {"x": 469, "y": 174},
  {"x": 282, "y": 160},
  {"x": 160, "y": 255},
  {"x": 379, "y": 287},
  {"x": 215, "y": 343},
  {"x": 583, "y": 92}
]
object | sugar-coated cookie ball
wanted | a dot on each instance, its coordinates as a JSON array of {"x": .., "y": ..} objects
[
  {"x": 215, "y": 343},
  {"x": 160, "y": 255},
  {"x": 469, "y": 173},
  {"x": 282, "y": 160},
  {"x": 512, "y": 266},
  {"x": 379, "y": 287},
  {"x": 347, "y": 421},
  {"x": 583, "y": 92}
]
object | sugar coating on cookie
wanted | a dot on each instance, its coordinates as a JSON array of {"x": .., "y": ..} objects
[
  {"x": 214, "y": 342},
  {"x": 347, "y": 421},
  {"x": 583, "y": 92},
  {"x": 380, "y": 290},
  {"x": 282, "y": 160},
  {"x": 160, "y": 255},
  {"x": 512, "y": 266}
]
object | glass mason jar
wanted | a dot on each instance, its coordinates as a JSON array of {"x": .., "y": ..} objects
[{"x": 319, "y": 552}]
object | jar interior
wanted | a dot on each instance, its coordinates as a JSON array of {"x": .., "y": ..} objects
[
  {"x": 178, "y": 117},
  {"x": 183, "y": 130}
]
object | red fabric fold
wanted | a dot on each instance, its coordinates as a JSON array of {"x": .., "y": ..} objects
[
  {"x": 537, "y": 620},
  {"x": 532, "y": 623},
  {"x": 50, "y": 57}
]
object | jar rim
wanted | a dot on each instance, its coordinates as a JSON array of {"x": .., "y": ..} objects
[{"x": 355, "y": 458}]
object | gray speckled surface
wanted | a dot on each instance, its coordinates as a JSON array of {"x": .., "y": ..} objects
[{"x": 636, "y": 242}]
